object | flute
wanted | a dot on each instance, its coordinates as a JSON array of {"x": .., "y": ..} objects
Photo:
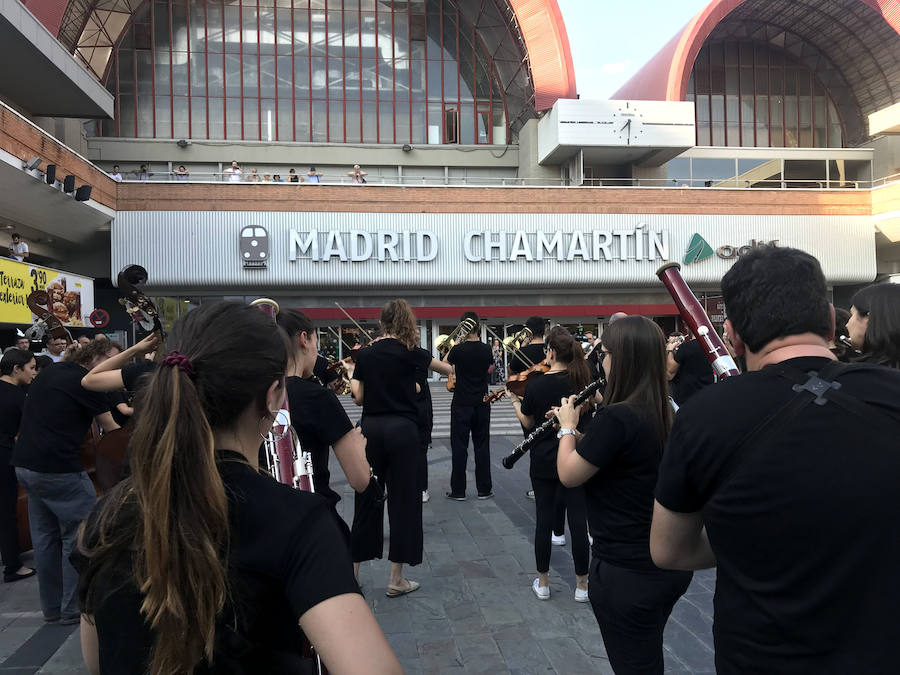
[{"x": 519, "y": 451}]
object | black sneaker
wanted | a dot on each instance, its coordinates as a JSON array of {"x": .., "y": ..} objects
[
  {"x": 485, "y": 495},
  {"x": 456, "y": 497}
]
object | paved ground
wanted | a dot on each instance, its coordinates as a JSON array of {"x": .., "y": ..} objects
[{"x": 475, "y": 612}]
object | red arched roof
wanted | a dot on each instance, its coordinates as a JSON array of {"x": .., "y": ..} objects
[
  {"x": 665, "y": 77},
  {"x": 549, "y": 56}
]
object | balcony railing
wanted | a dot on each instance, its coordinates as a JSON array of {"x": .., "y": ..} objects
[{"x": 494, "y": 181}]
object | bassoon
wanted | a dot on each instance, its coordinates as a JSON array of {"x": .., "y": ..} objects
[
  {"x": 286, "y": 460},
  {"x": 693, "y": 315},
  {"x": 531, "y": 439}
]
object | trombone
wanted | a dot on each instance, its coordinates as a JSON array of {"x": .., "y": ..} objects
[
  {"x": 444, "y": 343},
  {"x": 513, "y": 344}
]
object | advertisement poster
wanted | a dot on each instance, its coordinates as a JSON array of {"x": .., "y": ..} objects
[{"x": 71, "y": 297}]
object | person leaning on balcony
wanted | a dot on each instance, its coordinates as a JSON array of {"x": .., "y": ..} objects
[
  {"x": 181, "y": 173},
  {"x": 233, "y": 173},
  {"x": 293, "y": 177},
  {"x": 143, "y": 173},
  {"x": 313, "y": 176},
  {"x": 116, "y": 174},
  {"x": 254, "y": 176},
  {"x": 357, "y": 176}
]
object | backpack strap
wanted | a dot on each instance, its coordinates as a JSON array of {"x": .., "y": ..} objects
[{"x": 810, "y": 387}]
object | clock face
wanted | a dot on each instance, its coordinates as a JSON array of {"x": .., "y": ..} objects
[{"x": 628, "y": 124}]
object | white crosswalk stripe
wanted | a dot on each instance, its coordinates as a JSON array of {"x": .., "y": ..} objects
[{"x": 503, "y": 418}]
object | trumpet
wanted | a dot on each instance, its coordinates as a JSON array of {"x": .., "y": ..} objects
[
  {"x": 519, "y": 340},
  {"x": 446, "y": 342}
]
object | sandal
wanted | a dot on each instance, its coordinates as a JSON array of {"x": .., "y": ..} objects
[{"x": 396, "y": 591}]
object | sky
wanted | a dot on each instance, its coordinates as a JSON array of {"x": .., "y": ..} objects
[{"x": 612, "y": 39}]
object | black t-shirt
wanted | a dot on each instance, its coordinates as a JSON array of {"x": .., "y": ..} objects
[
  {"x": 807, "y": 530},
  {"x": 423, "y": 397},
  {"x": 320, "y": 421},
  {"x": 58, "y": 413},
  {"x": 472, "y": 359},
  {"x": 534, "y": 352},
  {"x": 287, "y": 554},
  {"x": 541, "y": 394},
  {"x": 626, "y": 450},
  {"x": 388, "y": 371},
  {"x": 694, "y": 372},
  {"x": 321, "y": 372},
  {"x": 133, "y": 374},
  {"x": 12, "y": 401},
  {"x": 113, "y": 399}
]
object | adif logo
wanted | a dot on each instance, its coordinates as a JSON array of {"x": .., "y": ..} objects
[
  {"x": 254, "y": 246},
  {"x": 698, "y": 250}
]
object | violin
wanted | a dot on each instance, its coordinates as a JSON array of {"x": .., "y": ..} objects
[
  {"x": 342, "y": 384},
  {"x": 494, "y": 396},
  {"x": 517, "y": 383}
]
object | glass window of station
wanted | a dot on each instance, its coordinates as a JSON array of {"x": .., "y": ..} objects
[
  {"x": 756, "y": 95},
  {"x": 327, "y": 71}
]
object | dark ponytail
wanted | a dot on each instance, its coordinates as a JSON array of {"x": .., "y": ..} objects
[
  {"x": 293, "y": 322},
  {"x": 567, "y": 350},
  {"x": 229, "y": 356}
]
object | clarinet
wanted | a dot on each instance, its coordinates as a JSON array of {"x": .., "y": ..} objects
[
  {"x": 538, "y": 432},
  {"x": 286, "y": 460},
  {"x": 693, "y": 315}
]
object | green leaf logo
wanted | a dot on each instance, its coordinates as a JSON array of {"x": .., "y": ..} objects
[{"x": 698, "y": 250}]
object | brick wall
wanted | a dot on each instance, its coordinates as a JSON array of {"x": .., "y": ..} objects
[
  {"x": 20, "y": 138},
  {"x": 269, "y": 197}
]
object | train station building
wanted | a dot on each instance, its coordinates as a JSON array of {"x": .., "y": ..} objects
[{"x": 489, "y": 184}]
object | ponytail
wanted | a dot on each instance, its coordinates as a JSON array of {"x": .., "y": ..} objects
[
  {"x": 568, "y": 351},
  {"x": 183, "y": 526}
]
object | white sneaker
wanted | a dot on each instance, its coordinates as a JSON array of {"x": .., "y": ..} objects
[
  {"x": 425, "y": 496},
  {"x": 542, "y": 592},
  {"x": 558, "y": 540},
  {"x": 581, "y": 595}
]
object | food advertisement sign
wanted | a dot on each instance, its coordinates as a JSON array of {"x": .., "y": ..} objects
[{"x": 70, "y": 297}]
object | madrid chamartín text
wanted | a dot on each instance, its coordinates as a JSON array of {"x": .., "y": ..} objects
[{"x": 487, "y": 245}]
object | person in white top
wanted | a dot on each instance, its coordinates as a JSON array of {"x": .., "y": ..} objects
[
  {"x": 357, "y": 176},
  {"x": 18, "y": 249},
  {"x": 116, "y": 174},
  {"x": 55, "y": 349},
  {"x": 234, "y": 173}
]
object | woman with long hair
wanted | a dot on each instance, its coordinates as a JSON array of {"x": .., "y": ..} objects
[
  {"x": 568, "y": 374},
  {"x": 874, "y": 324},
  {"x": 384, "y": 384},
  {"x": 617, "y": 461},
  {"x": 200, "y": 562},
  {"x": 316, "y": 412}
]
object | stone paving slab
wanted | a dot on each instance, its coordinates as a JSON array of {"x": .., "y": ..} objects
[{"x": 475, "y": 611}]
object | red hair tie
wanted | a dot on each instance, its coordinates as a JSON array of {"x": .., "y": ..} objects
[{"x": 182, "y": 362}]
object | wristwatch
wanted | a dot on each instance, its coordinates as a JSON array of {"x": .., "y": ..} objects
[{"x": 565, "y": 432}]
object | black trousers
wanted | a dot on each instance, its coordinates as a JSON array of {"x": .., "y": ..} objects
[
  {"x": 632, "y": 607},
  {"x": 392, "y": 448},
  {"x": 559, "y": 513},
  {"x": 547, "y": 492},
  {"x": 474, "y": 419},
  {"x": 426, "y": 423},
  {"x": 9, "y": 529}
]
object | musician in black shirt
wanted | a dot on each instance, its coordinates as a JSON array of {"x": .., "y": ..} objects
[
  {"x": 471, "y": 359},
  {"x": 532, "y": 353},
  {"x": 126, "y": 370},
  {"x": 384, "y": 383},
  {"x": 788, "y": 485},
  {"x": 688, "y": 369},
  {"x": 426, "y": 422},
  {"x": 58, "y": 413},
  {"x": 17, "y": 370},
  {"x": 199, "y": 562},
  {"x": 568, "y": 375},
  {"x": 618, "y": 461},
  {"x": 316, "y": 413}
]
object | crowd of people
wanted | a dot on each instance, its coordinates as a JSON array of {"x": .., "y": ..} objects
[
  {"x": 782, "y": 478},
  {"x": 235, "y": 174}
]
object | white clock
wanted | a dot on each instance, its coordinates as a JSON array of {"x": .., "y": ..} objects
[{"x": 628, "y": 124}]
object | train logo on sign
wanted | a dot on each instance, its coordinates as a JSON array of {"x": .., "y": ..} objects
[
  {"x": 698, "y": 250},
  {"x": 254, "y": 246}
]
